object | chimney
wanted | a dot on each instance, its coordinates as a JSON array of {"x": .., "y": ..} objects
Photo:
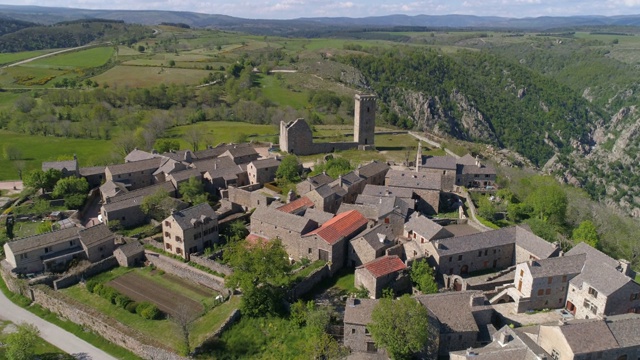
[
  {"x": 624, "y": 267},
  {"x": 471, "y": 353},
  {"x": 215, "y": 166},
  {"x": 503, "y": 338},
  {"x": 75, "y": 157},
  {"x": 437, "y": 244},
  {"x": 476, "y": 300},
  {"x": 187, "y": 156},
  {"x": 154, "y": 151},
  {"x": 419, "y": 156},
  {"x": 478, "y": 164},
  {"x": 290, "y": 196},
  {"x": 381, "y": 238}
]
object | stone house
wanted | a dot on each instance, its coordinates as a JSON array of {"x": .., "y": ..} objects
[
  {"x": 140, "y": 155},
  {"x": 443, "y": 166},
  {"x": 249, "y": 196},
  {"x": 67, "y": 168},
  {"x": 543, "y": 284},
  {"x": 329, "y": 242},
  {"x": 327, "y": 198},
  {"x": 381, "y": 273},
  {"x": 298, "y": 206},
  {"x": 370, "y": 245},
  {"x": 269, "y": 223},
  {"x": 94, "y": 175},
  {"x": 168, "y": 167},
  {"x": 464, "y": 319},
  {"x": 472, "y": 173},
  {"x": 373, "y": 173},
  {"x": 382, "y": 210},
  {"x": 352, "y": 184},
  {"x": 52, "y": 251},
  {"x": 126, "y": 209},
  {"x": 222, "y": 173},
  {"x": 180, "y": 177},
  {"x": 614, "y": 338},
  {"x": 112, "y": 189},
  {"x": 135, "y": 175},
  {"x": 423, "y": 230},
  {"x": 313, "y": 182},
  {"x": 241, "y": 154},
  {"x": 413, "y": 180},
  {"x": 605, "y": 286},
  {"x": 262, "y": 171},
  {"x": 382, "y": 191},
  {"x": 496, "y": 249},
  {"x": 213, "y": 152},
  {"x": 190, "y": 231},
  {"x": 357, "y": 315},
  {"x": 130, "y": 254}
]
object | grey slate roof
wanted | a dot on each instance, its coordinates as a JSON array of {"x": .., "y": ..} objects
[
  {"x": 473, "y": 169},
  {"x": 96, "y": 235},
  {"x": 318, "y": 216},
  {"x": 588, "y": 336},
  {"x": 534, "y": 244},
  {"x": 370, "y": 236},
  {"x": 439, "y": 162},
  {"x": 185, "y": 218},
  {"x": 145, "y": 191},
  {"x": 129, "y": 167},
  {"x": 358, "y": 311},
  {"x": 131, "y": 248},
  {"x": 460, "y": 244},
  {"x": 563, "y": 265},
  {"x": 413, "y": 180},
  {"x": 466, "y": 160},
  {"x": 240, "y": 151},
  {"x": 425, "y": 227},
  {"x": 351, "y": 178},
  {"x": 319, "y": 180},
  {"x": 326, "y": 191},
  {"x": 187, "y": 174},
  {"x": 368, "y": 211},
  {"x": 92, "y": 170},
  {"x": 111, "y": 188},
  {"x": 295, "y": 223},
  {"x": 214, "y": 164},
  {"x": 452, "y": 309},
  {"x": 139, "y": 155},
  {"x": 520, "y": 347},
  {"x": 266, "y": 163},
  {"x": 42, "y": 240},
  {"x": 169, "y": 166},
  {"x": 69, "y": 165},
  {"x": 213, "y": 152},
  {"x": 378, "y": 190},
  {"x": 625, "y": 329},
  {"x": 373, "y": 168},
  {"x": 593, "y": 255}
]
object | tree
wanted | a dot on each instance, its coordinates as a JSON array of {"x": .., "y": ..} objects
[
  {"x": 157, "y": 205},
  {"x": 141, "y": 48},
  {"x": 549, "y": 203},
  {"x": 334, "y": 167},
  {"x": 586, "y": 232},
  {"x": 391, "y": 328},
  {"x": 21, "y": 344},
  {"x": 183, "y": 318},
  {"x": 73, "y": 190},
  {"x": 11, "y": 152},
  {"x": 172, "y": 63},
  {"x": 288, "y": 170},
  {"x": 45, "y": 180},
  {"x": 194, "y": 136},
  {"x": 423, "y": 278},
  {"x": 236, "y": 231},
  {"x": 166, "y": 145},
  {"x": 193, "y": 192},
  {"x": 260, "y": 270}
]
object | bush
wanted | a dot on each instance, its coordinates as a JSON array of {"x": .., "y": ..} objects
[
  {"x": 131, "y": 307},
  {"x": 122, "y": 301},
  {"x": 151, "y": 312},
  {"x": 91, "y": 285},
  {"x": 97, "y": 289}
]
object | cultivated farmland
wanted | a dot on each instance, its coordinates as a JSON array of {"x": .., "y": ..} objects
[{"x": 137, "y": 76}]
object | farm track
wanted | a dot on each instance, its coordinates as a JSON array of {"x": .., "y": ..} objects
[
  {"x": 140, "y": 289},
  {"x": 21, "y": 62}
]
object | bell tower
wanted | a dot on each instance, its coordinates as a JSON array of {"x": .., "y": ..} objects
[{"x": 364, "y": 122}]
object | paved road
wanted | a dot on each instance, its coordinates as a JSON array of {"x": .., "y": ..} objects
[{"x": 60, "y": 338}]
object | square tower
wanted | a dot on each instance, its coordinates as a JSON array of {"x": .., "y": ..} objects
[{"x": 364, "y": 122}]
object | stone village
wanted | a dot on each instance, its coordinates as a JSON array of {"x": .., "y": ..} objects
[{"x": 376, "y": 221}]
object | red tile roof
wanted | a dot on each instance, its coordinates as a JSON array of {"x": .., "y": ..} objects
[
  {"x": 385, "y": 265},
  {"x": 341, "y": 226},
  {"x": 296, "y": 205},
  {"x": 253, "y": 239}
]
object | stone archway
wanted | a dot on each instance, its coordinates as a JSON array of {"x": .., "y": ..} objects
[{"x": 464, "y": 270}]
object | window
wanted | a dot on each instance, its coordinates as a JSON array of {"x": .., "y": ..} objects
[
  {"x": 590, "y": 306},
  {"x": 485, "y": 252},
  {"x": 47, "y": 249},
  {"x": 459, "y": 257},
  {"x": 548, "y": 292},
  {"x": 450, "y": 258},
  {"x": 167, "y": 224},
  {"x": 71, "y": 243},
  {"x": 168, "y": 246},
  {"x": 593, "y": 292},
  {"x": 564, "y": 278},
  {"x": 167, "y": 235},
  {"x": 421, "y": 240},
  {"x": 521, "y": 273},
  {"x": 549, "y": 279},
  {"x": 178, "y": 250},
  {"x": 555, "y": 354},
  {"x": 178, "y": 239},
  {"x": 540, "y": 292},
  {"x": 366, "y": 331},
  {"x": 310, "y": 250},
  {"x": 475, "y": 176},
  {"x": 353, "y": 331},
  {"x": 634, "y": 296},
  {"x": 494, "y": 251},
  {"x": 479, "y": 253},
  {"x": 386, "y": 220}
]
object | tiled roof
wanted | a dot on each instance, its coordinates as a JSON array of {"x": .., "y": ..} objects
[
  {"x": 372, "y": 237},
  {"x": 358, "y": 311},
  {"x": 150, "y": 164},
  {"x": 384, "y": 266},
  {"x": 139, "y": 155},
  {"x": 317, "y": 215},
  {"x": 413, "y": 180},
  {"x": 319, "y": 180},
  {"x": 625, "y": 329},
  {"x": 425, "y": 227},
  {"x": 460, "y": 244},
  {"x": 296, "y": 205},
  {"x": 563, "y": 265},
  {"x": 70, "y": 165},
  {"x": 373, "y": 168},
  {"x": 534, "y": 244},
  {"x": 96, "y": 235},
  {"x": 240, "y": 151},
  {"x": 266, "y": 163},
  {"x": 213, "y": 152},
  {"x": 588, "y": 336},
  {"x": 131, "y": 248},
  {"x": 214, "y": 164},
  {"x": 254, "y": 239},
  {"x": 186, "y": 175},
  {"x": 186, "y": 218},
  {"x": 42, "y": 240},
  {"x": 341, "y": 226},
  {"x": 439, "y": 162},
  {"x": 295, "y": 223}
]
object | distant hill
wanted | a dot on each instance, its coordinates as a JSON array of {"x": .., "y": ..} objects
[
  {"x": 8, "y": 26},
  {"x": 51, "y": 15}
]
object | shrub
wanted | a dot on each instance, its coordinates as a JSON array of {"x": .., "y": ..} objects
[
  {"x": 151, "y": 312},
  {"x": 131, "y": 307},
  {"x": 97, "y": 289},
  {"x": 91, "y": 285},
  {"x": 141, "y": 306},
  {"x": 122, "y": 301}
]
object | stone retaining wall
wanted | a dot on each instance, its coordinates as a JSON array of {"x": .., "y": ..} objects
[
  {"x": 233, "y": 317},
  {"x": 212, "y": 264},
  {"x": 91, "y": 270},
  {"x": 308, "y": 283},
  {"x": 185, "y": 271}
]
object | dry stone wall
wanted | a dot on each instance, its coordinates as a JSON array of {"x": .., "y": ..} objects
[
  {"x": 93, "y": 269},
  {"x": 212, "y": 264},
  {"x": 308, "y": 283}
]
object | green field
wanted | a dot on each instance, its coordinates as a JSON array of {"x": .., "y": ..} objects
[
  {"x": 42, "y": 349},
  {"x": 273, "y": 87},
  {"x": 13, "y": 57},
  {"x": 225, "y": 132},
  {"x": 93, "y": 57},
  {"x": 137, "y": 76},
  {"x": 36, "y": 149},
  {"x": 164, "y": 330}
]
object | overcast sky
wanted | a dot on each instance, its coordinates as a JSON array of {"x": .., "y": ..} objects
[{"x": 286, "y": 9}]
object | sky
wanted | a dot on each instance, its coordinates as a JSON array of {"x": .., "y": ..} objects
[{"x": 288, "y": 9}]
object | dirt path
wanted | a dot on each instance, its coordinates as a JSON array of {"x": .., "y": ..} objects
[{"x": 47, "y": 55}]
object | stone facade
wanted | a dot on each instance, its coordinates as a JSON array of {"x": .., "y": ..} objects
[
  {"x": 379, "y": 274},
  {"x": 248, "y": 197},
  {"x": 262, "y": 171},
  {"x": 365, "y": 119},
  {"x": 190, "y": 230},
  {"x": 187, "y": 272}
]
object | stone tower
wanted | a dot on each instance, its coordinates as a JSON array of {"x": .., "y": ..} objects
[{"x": 364, "y": 121}]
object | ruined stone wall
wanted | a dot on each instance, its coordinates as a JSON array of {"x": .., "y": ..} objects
[
  {"x": 91, "y": 270},
  {"x": 212, "y": 264},
  {"x": 308, "y": 283}
]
